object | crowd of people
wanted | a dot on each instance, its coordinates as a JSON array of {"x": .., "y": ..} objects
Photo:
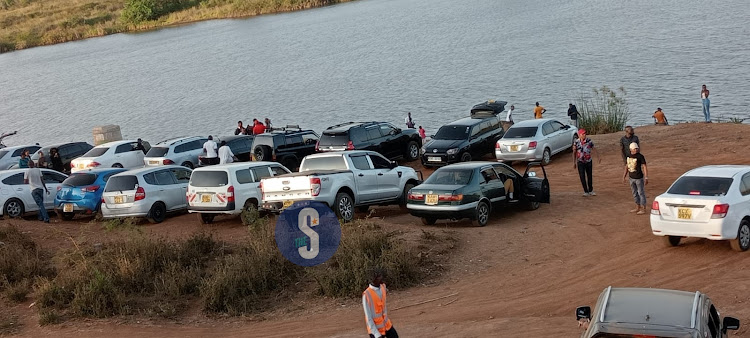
[{"x": 255, "y": 128}]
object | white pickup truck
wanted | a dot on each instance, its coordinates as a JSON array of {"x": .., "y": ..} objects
[{"x": 343, "y": 180}]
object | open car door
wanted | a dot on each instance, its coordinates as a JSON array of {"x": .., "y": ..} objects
[{"x": 535, "y": 188}]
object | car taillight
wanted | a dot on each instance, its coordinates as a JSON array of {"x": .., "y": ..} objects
[
  {"x": 497, "y": 145},
  {"x": 59, "y": 188},
  {"x": 230, "y": 194},
  {"x": 91, "y": 188},
  {"x": 349, "y": 145},
  {"x": 720, "y": 211},
  {"x": 103, "y": 200},
  {"x": 532, "y": 145},
  {"x": 317, "y": 146},
  {"x": 140, "y": 194},
  {"x": 93, "y": 164},
  {"x": 451, "y": 198},
  {"x": 655, "y": 208},
  {"x": 168, "y": 162},
  {"x": 315, "y": 186},
  {"x": 415, "y": 197},
  {"x": 261, "y": 187}
]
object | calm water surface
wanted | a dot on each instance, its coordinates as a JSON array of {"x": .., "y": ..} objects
[{"x": 378, "y": 59}]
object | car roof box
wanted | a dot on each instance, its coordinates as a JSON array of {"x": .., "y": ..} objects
[{"x": 488, "y": 108}]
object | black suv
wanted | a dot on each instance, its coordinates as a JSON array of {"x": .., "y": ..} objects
[
  {"x": 463, "y": 140},
  {"x": 286, "y": 145},
  {"x": 381, "y": 137},
  {"x": 241, "y": 146},
  {"x": 68, "y": 152}
]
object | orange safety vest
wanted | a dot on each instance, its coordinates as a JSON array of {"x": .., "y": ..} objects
[{"x": 382, "y": 322}]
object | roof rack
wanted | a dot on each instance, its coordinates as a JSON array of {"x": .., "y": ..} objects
[{"x": 339, "y": 125}]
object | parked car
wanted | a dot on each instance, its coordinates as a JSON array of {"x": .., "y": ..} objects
[
  {"x": 463, "y": 140},
  {"x": 286, "y": 145},
  {"x": 384, "y": 138},
  {"x": 241, "y": 146},
  {"x": 68, "y": 152},
  {"x": 9, "y": 156},
  {"x": 182, "y": 151},
  {"x": 228, "y": 188},
  {"x": 710, "y": 202},
  {"x": 343, "y": 180},
  {"x": 81, "y": 192},
  {"x": 15, "y": 195},
  {"x": 535, "y": 140},
  {"x": 149, "y": 192},
  {"x": 472, "y": 190},
  {"x": 491, "y": 107},
  {"x": 117, "y": 154},
  {"x": 641, "y": 312}
]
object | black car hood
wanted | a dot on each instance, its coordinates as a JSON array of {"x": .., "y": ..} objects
[{"x": 443, "y": 145}]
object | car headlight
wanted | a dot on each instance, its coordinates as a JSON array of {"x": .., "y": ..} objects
[{"x": 452, "y": 151}]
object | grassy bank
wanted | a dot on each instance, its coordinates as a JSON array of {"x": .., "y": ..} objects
[{"x": 30, "y": 23}]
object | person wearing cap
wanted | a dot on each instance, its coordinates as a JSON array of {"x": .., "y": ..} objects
[
  {"x": 659, "y": 118},
  {"x": 637, "y": 171},
  {"x": 626, "y": 140},
  {"x": 583, "y": 148}
]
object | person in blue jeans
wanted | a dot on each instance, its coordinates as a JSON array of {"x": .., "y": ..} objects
[
  {"x": 637, "y": 171},
  {"x": 706, "y": 103},
  {"x": 33, "y": 177}
]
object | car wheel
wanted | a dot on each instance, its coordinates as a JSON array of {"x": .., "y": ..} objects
[
  {"x": 158, "y": 213},
  {"x": 67, "y": 216},
  {"x": 466, "y": 157},
  {"x": 672, "y": 240},
  {"x": 13, "y": 208},
  {"x": 187, "y": 164},
  {"x": 428, "y": 220},
  {"x": 412, "y": 151},
  {"x": 344, "y": 206},
  {"x": 363, "y": 208},
  {"x": 206, "y": 218},
  {"x": 117, "y": 165},
  {"x": 402, "y": 202},
  {"x": 546, "y": 156},
  {"x": 742, "y": 242},
  {"x": 482, "y": 214},
  {"x": 262, "y": 153},
  {"x": 532, "y": 205}
]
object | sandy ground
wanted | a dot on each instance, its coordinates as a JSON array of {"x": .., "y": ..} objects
[{"x": 521, "y": 275}]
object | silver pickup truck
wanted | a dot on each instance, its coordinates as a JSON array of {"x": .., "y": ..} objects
[{"x": 343, "y": 180}]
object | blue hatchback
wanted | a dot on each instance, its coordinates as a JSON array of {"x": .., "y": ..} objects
[{"x": 81, "y": 192}]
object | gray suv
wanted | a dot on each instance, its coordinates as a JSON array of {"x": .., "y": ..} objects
[{"x": 636, "y": 312}]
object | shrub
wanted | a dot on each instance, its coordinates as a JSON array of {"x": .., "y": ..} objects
[
  {"x": 21, "y": 261},
  {"x": 138, "y": 11},
  {"x": 603, "y": 111}
]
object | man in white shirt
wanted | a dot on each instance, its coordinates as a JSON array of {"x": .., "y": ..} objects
[
  {"x": 509, "y": 116},
  {"x": 33, "y": 177},
  {"x": 210, "y": 148},
  {"x": 225, "y": 154},
  {"x": 376, "y": 311},
  {"x": 409, "y": 122}
]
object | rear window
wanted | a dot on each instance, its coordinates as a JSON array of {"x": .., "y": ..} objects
[
  {"x": 453, "y": 133},
  {"x": 96, "y": 152},
  {"x": 79, "y": 180},
  {"x": 157, "y": 152},
  {"x": 520, "y": 132},
  {"x": 334, "y": 139},
  {"x": 121, "y": 183},
  {"x": 324, "y": 163},
  {"x": 450, "y": 177},
  {"x": 209, "y": 178},
  {"x": 701, "y": 186}
]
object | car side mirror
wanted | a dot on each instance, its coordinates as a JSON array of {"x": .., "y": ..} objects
[
  {"x": 730, "y": 323},
  {"x": 583, "y": 312},
  {"x": 394, "y": 164}
]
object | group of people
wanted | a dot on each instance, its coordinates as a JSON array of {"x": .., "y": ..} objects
[
  {"x": 410, "y": 124},
  {"x": 217, "y": 154},
  {"x": 55, "y": 162},
  {"x": 255, "y": 128}
]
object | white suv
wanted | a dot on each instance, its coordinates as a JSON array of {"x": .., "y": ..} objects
[
  {"x": 228, "y": 188},
  {"x": 149, "y": 192},
  {"x": 117, "y": 154},
  {"x": 182, "y": 151}
]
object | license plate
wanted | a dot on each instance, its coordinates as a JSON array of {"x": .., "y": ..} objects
[
  {"x": 80, "y": 165},
  {"x": 153, "y": 162},
  {"x": 119, "y": 199},
  {"x": 287, "y": 204},
  {"x": 513, "y": 148},
  {"x": 67, "y": 207},
  {"x": 205, "y": 198},
  {"x": 433, "y": 159},
  {"x": 431, "y": 200},
  {"x": 685, "y": 213}
]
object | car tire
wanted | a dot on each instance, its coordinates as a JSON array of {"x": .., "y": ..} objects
[
  {"x": 262, "y": 153},
  {"x": 206, "y": 218},
  {"x": 188, "y": 164},
  {"x": 363, "y": 208},
  {"x": 546, "y": 156},
  {"x": 429, "y": 220},
  {"x": 67, "y": 216},
  {"x": 672, "y": 240},
  {"x": 466, "y": 157},
  {"x": 117, "y": 165},
  {"x": 344, "y": 206},
  {"x": 13, "y": 208},
  {"x": 402, "y": 202},
  {"x": 482, "y": 214},
  {"x": 158, "y": 213},
  {"x": 531, "y": 206},
  {"x": 412, "y": 151},
  {"x": 742, "y": 242}
]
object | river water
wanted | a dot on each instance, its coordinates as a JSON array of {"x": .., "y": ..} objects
[{"x": 377, "y": 60}]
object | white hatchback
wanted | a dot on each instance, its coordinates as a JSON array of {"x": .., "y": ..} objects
[
  {"x": 117, "y": 154},
  {"x": 9, "y": 156},
  {"x": 710, "y": 202},
  {"x": 149, "y": 192},
  {"x": 15, "y": 196},
  {"x": 228, "y": 188}
]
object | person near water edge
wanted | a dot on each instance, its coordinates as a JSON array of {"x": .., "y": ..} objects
[
  {"x": 409, "y": 121},
  {"x": 258, "y": 128},
  {"x": 54, "y": 157},
  {"x": 269, "y": 128},
  {"x": 240, "y": 129},
  {"x": 225, "y": 154},
  {"x": 659, "y": 118},
  {"x": 33, "y": 177},
  {"x": 573, "y": 114},
  {"x": 583, "y": 148},
  {"x": 625, "y": 142},
  {"x": 422, "y": 133},
  {"x": 538, "y": 111},
  {"x": 210, "y": 148},
  {"x": 139, "y": 146},
  {"x": 376, "y": 311},
  {"x": 638, "y": 172},
  {"x": 42, "y": 161},
  {"x": 705, "y": 103},
  {"x": 509, "y": 115},
  {"x": 23, "y": 162}
]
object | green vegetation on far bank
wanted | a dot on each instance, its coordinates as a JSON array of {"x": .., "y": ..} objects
[{"x": 30, "y": 23}]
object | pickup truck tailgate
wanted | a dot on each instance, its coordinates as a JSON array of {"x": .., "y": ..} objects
[{"x": 282, "y": 188}]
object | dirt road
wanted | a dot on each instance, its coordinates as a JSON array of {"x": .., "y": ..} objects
[{"x": 521, "y": 275}]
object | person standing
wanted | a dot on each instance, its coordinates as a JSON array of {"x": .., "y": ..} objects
[
  {"x": 583, "y": 147},
  {"x": 258, "y": 128},
  {"x": 139, "y": 146},
  {"x": 57, "y": 163},
  {"x": 706, "y": 103},
  {"x": 210, "y": 148},
  {"x": 659, "y": 118},
  {"x": 538, "y": 111},
  {"x": 409, "y": 121},
  {"x": 573, "y": 114},
  {"x": 33, "y": 177},
  {"x": 42, "y": 161},
  {"x": 625, "y": 142},
  {"x": 240, "y": 129},
  {"x": 269, "y": 128},
  {"x": 225, "y": 154},
  {"x": 638, "y": 172},
  {"x": 23, "y": 162},
  {"x": 376, "y": 311},
  {"x": 422, "y": 133}
]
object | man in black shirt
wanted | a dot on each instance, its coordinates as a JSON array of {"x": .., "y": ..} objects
[
  {"x": 625, "y": 142},
  {"x": 240, "y": 129},
  {"x": 573, "y": 114},
  {"x": 637, "y": 172}
]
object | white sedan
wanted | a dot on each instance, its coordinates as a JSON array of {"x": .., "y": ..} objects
[
  {"x": 15, "y": 195},
  {"x": 710, "y": 202},
  {"x": 117, "y": 154}
]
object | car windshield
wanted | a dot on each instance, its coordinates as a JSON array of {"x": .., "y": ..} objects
[
  {"x": 334, "y": 139},
  {"x": 209, "y": 178},
  {"x": 450, "y": 177},
  {"x": 453, "y": 133},
  {"x": 323, "y": 163},
  {"x": 157, "y": 152},
  {"x": 96, "y": 152},
  {"x": 701, "y": 186},
  {"x": 520, "y": 132},
  {"x": 121, "y": 183},
  {"x": 79, "y": 179}
]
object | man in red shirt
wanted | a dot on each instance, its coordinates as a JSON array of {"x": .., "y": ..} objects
[{"x": 258, "y": 128}]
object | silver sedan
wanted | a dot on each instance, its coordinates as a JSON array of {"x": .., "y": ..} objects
[{"x": 535, "y": 140}]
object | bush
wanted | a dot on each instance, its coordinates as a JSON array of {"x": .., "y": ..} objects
[
  {"x": 138, "y": 11},
  {"x": 21, "y": 261},
  {"x": 603, "y": 111}
]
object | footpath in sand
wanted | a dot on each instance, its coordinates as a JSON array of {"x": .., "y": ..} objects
[{"x": 520, "y": 276}]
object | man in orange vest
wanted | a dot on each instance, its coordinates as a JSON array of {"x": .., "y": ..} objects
[{"x": 376, "y": 312}]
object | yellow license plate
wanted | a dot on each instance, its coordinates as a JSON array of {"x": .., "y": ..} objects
[
  {"x": 205, "y": 198},
  {"x": 153, "y": 162},
  {"x": 119, "y": 199},
  {"x": 513, "y": 148},
  {"x": 288, "y": 204},
  {"x": 431, "y": 200},
  {"x": 67, "y": 207},
  {"x": 80, "y": 165},
  {"x": 685, "y": 213}
]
